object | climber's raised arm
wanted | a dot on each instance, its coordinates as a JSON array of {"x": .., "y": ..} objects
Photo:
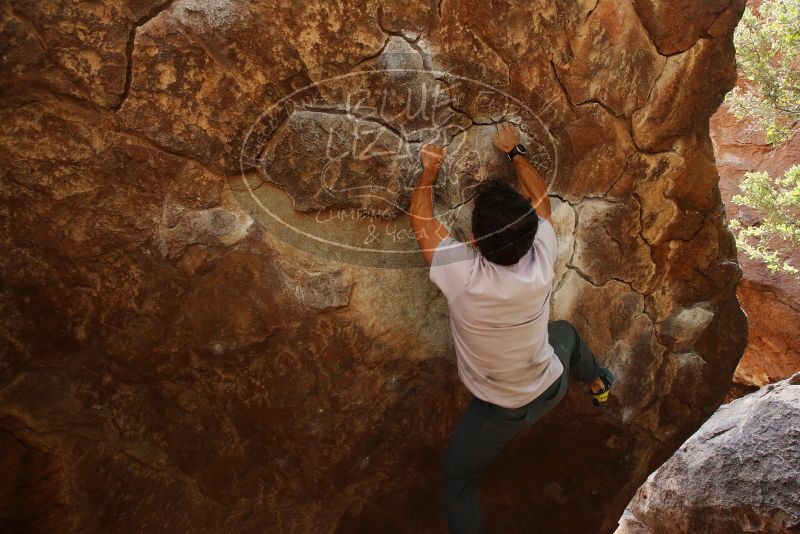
[
  {"x": 427, "y": 229},
  {"x": 532, "y": 183}
]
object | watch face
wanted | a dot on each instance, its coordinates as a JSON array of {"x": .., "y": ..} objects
[{"x": 522, "y": 149}]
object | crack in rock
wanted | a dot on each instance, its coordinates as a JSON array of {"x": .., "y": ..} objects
[{"x": 150, "y": 15}]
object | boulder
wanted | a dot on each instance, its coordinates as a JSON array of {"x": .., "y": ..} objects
[
  {"x": 215, "y": 314},
  {"x": 738, "y": 473}
]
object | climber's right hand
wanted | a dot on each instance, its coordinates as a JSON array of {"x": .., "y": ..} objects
[{"x": 506, "y": 138}]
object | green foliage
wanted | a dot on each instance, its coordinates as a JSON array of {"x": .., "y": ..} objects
[
  {"x": 778, "y": 202},
  {"x": 768, "y": 56}
]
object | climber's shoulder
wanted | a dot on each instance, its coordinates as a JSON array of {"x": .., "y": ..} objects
[
  {"x": 452, "y": 262},
  {"x": 545, "y": 242},
  {"x": 450, "y": 251}
]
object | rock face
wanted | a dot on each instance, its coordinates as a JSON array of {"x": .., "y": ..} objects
[
  {"x": 771, "y": 300},
  {"x": 215, "y": 316},
  {"x": 738, "y": 473}
]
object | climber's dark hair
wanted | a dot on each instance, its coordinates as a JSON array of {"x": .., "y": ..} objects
[{"x": 504, "y": 223}]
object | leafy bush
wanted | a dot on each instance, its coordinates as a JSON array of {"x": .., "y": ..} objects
[
  {"x": 768, "y": 56},
  {"x": 778, "y": 201}
]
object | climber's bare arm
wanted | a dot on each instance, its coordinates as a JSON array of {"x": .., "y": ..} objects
[
  {"x": 533, "y": 185},
  {"x": 530, "y": 180},
  {"x": 427, "y": 229}
]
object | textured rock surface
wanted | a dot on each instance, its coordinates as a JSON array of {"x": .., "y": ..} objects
[
  {"x": 738, "y": 473},
  {"x": 771, "y": 300},
  {"x": 215, "y": 316}
]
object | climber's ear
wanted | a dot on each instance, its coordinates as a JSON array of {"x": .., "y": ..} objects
[{"x": 473, "y": 240}]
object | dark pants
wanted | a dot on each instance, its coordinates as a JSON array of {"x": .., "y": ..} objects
[{"x": 485, "y": 428}]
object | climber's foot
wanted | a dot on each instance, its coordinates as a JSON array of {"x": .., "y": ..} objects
[
  {"x": 597, "y": 385},
  {"x": 601, "y": 386}
]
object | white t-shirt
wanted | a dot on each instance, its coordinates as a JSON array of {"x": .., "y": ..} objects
[{"x": 498, "y": 316}]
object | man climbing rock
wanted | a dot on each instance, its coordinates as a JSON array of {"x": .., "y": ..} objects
[{"x": 498, "y": 290}]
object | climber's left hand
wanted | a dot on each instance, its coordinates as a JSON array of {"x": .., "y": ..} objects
[
  {"x": 428, "y": 231},
  {"x": 432, "y": 157}
]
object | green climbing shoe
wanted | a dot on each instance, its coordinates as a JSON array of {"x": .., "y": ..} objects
[{"x": 602, "y": 396}]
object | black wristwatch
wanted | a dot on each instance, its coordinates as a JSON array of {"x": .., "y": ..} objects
[{"x": 519, "y": 149}]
